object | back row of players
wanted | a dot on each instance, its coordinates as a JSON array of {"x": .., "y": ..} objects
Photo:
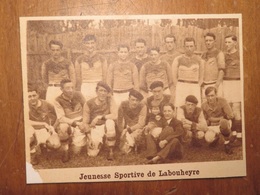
[{"x": 162, "y": 81}]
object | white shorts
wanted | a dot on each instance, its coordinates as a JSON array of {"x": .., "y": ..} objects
[
  {"x": 232, "y": 90},
  {"x": 52, "y": 93},
  {"x": 119, "y": 97},
  {"x": 183, "y": 90},
  {"x": 89, "y": 90}
]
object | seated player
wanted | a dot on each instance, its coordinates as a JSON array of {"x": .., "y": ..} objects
[
  {"x": 193, "y": 121},
  {"x": 218, "y": 115},
  {"x": 98, "y": 118},
  {"x": 69, "y": 108},
  {"x": 42, "y": 118},
  {"x": 131, "y": 121}
]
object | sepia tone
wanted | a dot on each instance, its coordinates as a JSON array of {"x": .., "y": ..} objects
[{"x": 12, "y": 147}]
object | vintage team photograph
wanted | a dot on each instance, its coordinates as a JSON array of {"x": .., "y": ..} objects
[{"x": 128, "y": 98}]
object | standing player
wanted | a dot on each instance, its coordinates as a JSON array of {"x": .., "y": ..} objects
[
  {"x": 214, "y": 65},
  {"x": 187, "y": 70},
  {"x": 232, "y": 83},
  {"x": 141, "y": 56},
  {"x": 156, "y": 70},
  {"x": 69, "y": 109},
  {"x": 218, "y": 115},
  {"x": 91, "y": 67},
  {"x": 98, "y": 118},
  {"x": 55, "y": 69},
  {"x": 122, "y": 75},
  {"x": 171, "y": 53}
]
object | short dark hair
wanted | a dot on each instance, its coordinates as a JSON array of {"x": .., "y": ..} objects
[
  {"x": 189, "y": 39},
  {"x": 140, "y": 41},
  {"x": 104, "y": 85},
  {"x": 233, "y": 37},
  {"x": 210, "y": 89},
  {"x": 33, "y": 87},
  {"x": 55, "y": 42},
  {"x": 210, "y": 34},
  {"x": 64, "y": 81},
  {"x": 168, "y": 104},
  {"x": 89, "y": 37},
  {"x": 156, "y": 84},
  {"x": 123, "y": 46},
  {"x": 155, "y": 49},
  {"x": 170, "y": 36}
]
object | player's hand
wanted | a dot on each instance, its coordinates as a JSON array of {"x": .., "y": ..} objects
[
  {"x": 51, "y": 130},
  {"x": 90, "y": 143},
  {"x": 163, "y": 143},
  {"x": 146, "y": 130},
  {"x": 123, "y": 133},
  {"x": 187, "y": 127},
  {"x": 95, "y": 120}
]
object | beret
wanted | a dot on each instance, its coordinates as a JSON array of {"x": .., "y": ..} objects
[
  {"x": 136, "y": 94},
  {"x": 192, "y": 99},
  {"x": 104, "y": 85},
  {"x": 156, "y": 84}
]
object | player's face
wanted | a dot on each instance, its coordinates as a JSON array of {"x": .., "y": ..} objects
[
  {"x": 168, "y": 112},
  {"x": 133, "y": 101},
  {"x": 155, "y": 110},
  {"x": 102, "y": 93},
  {"x": 211, "y": 97},
  {"x": 68, "y": 90},
  {"x": 189, "y": 48},
  {"x": 154, "y": 56},
  {"x": 33, "y": 98},
  {"x": 157, "y": 93},
  {"x": 90, "y": 45},
  {"x": 123, "y": 53},
  {"x": 55, "y": 51},
  {"x": 190, "y": 107},
  {"x": 170, "y": 44},
  {"x": 140, "y": 48},
  {"x": 230, "y": 44},
  {"x": 210, "y": 42}
]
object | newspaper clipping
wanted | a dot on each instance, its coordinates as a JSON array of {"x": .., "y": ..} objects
[{"x": 131, "y": 98}]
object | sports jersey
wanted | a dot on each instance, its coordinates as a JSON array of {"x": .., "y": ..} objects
[{"x": 53, "y": 72}]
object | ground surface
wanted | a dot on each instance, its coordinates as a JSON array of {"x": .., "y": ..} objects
[{"x": 191, "y": 154}]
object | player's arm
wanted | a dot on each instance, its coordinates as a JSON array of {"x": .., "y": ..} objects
[
  {"x": 120, "y": 118},
  {"x": 175, "y": 71},
  {"x": 135, "y": 77},
  {"x": 72, "y": 73},
  {"x": 44, "y": 73},
  {"x": 221, "y": 68},
  {"x": 86, "y": 118},
  {"x": 113, "y": 110},
  {"x": 104, "y": 68},
  {"x": 141, "y": 119},
  {"x": 201, "y": 71},
  {"x": 109, "y": 75},
  {"x": 78, "y": 75},
  {"x": 170, "y": 78},
  {"x": 202, "y": 123},
  {"x": 143, "y": 85},
  {"x": 61, "y": 114}
]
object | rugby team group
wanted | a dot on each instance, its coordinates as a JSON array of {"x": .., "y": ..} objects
[{"x": 164, "y": 100}]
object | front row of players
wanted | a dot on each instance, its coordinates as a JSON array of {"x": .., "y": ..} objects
[{"x": 73, "y": 124}]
